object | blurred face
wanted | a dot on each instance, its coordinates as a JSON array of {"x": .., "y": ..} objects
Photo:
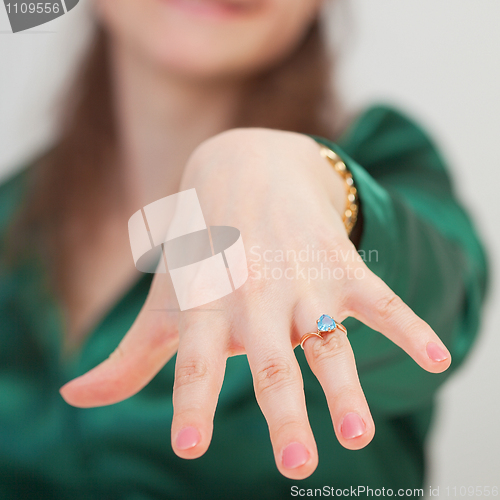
[{"x": 208, "y": 38}]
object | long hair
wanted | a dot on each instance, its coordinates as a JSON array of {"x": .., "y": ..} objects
[{"x": 296, "y": 95}]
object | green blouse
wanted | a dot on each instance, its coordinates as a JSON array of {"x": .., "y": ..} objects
[{"x": 428, "y": 253}]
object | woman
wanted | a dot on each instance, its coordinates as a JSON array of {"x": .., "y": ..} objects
[{"x": 230, "y": 97}]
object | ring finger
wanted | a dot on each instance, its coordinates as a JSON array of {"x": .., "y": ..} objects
[{"x": 332, "y": 361}]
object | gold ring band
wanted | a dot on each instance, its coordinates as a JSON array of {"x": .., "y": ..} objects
[
  {"x": 340, "y": 326},
  {"x": 307, "y": 335}
]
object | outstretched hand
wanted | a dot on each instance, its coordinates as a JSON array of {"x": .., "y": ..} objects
[{"x": 276, "y": 188}]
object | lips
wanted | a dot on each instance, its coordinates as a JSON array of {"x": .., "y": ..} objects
[{"x": 216, "y": 8}]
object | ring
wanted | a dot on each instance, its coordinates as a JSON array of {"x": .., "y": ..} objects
[{"x": 326, "y": 324}]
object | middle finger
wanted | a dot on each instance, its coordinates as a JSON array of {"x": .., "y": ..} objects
[{"x": 280, "y": 393}]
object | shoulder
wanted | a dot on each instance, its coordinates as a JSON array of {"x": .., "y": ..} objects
[
  {"x": 382, "y": 134},
  {"x": 380, "y": 119}
]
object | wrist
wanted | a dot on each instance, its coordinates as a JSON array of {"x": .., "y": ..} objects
[
  {"x": 350, "y": 214},
  {"x": 320, "y": 169},
  {"x": 334, "y": 185},
  {"x": 353, "y": 209}
]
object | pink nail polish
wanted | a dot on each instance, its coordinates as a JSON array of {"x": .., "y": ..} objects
[
  {"x": 295, "y": 455},
  {"x": 435, "y": 352},
  {"x": 187, "y": 438},
  {"x": 352, "y": 426}
]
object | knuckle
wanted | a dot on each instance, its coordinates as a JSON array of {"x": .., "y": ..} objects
[
  {"x": 388, "y": 305},
  {"x": 287, "y": 423},
  {"x": 333, "y": 345},
  {"x": 117, "y": 354},
  {"x": 350, "y": 393},
  {"x": 275, "y": 374},
  {"x": 190, "y": 372}
]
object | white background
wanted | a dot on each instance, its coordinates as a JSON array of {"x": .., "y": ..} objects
[{"x": 439, "y": 60}]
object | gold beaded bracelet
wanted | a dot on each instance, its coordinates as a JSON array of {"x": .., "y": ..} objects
[{"x": 351, "y": 211}]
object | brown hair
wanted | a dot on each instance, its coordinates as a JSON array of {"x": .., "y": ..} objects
[{"x": 296, "y": 95}]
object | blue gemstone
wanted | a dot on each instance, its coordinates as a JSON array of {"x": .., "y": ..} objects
[{"x": 326, "y": 323}]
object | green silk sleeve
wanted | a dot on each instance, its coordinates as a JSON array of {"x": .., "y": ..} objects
[{"x": 419, "y": 239}]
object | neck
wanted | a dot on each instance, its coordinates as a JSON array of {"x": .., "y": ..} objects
[{"x": 161, "y": 119}]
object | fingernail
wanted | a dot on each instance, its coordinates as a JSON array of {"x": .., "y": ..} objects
[
  {"x": 295, "y": 455},
  {"x": 187, "y": 438},
  {"x": 435, "y": 352},
  {"x": 352, "y": 426}
]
